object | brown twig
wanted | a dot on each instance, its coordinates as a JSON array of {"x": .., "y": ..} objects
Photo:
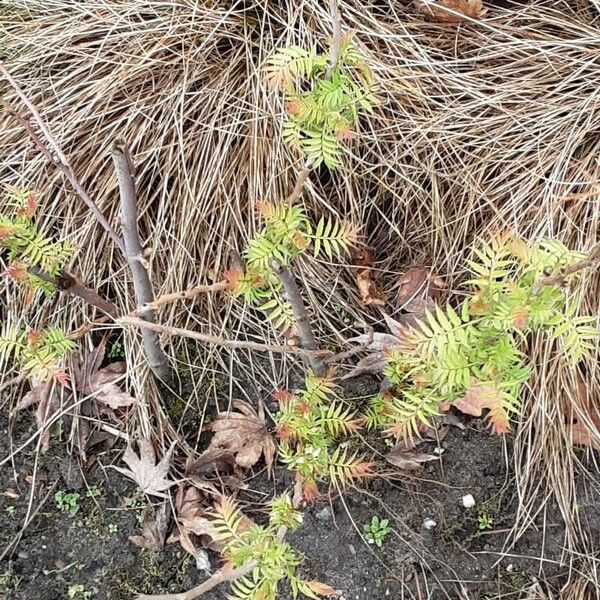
[
  {"x": 336, "y": 358},
  {"x": 220, "y": 341},
  {"x": 300, "y": 182},
  {"x": 307, "y": 337},
  {"x": 221, "y": 576},
  {"x": 185, "y": 295},
  {"x": 68, "y": 284},
  {"x": 47, "y": 145},
  {"x": 142, "y": 286},
  {"x": 336, "y": 42},
  {"x": 559, "y": 278}
]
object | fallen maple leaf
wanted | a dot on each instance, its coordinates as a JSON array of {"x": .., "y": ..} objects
[
  {"x": 459, "y": 10},
  {"x": 143, "y": 469},
  {"x": 241, "y": 437},
  {"x": 154, "y": 529},
  {"x": 482, "y": 396}
]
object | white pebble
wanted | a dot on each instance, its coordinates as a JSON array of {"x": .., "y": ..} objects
[
  {"x": 468, "y": 501},
  {"x": 429, "y": 523}
]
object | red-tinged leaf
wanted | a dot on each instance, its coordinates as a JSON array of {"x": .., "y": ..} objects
[
  {"x": 310, "y": 491},
  {"x": 16, "y": 271},
  {"x": 322, "y": 589},
  {"x": 485, "y": 396},
  {"x": 521, "y": 318}
]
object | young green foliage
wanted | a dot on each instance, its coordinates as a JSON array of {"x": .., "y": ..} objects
[
  {"x": 276, "y": 561},
  {"x": 38, "y": 353},
  {"x": 321, "y": 113},
  {"x": 27, "y": 247},
  {"x": 376, "y": 531},
  {"x": 286, "y": 234},
  {"x": 310, "y": 425},
  {"x": 471, "y": 357}
]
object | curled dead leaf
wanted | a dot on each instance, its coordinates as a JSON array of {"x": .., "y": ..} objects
[
  {"x": 154, "y": 529},
  {"x": 451, "y": 11},
  {"x": 486, "y": 396},
  {"x": 369, "y": 291},
  {"x": 241, "y": 438},
  {"x": 403, "y": 455}
]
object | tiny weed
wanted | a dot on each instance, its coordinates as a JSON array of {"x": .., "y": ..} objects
[
  {"x": 94, "y": 491},
  {"x": 116, "y": 350},
  {"x": 113, "y": 528},
  {"x": 78, "y": 591},
  {"x": 484, "y": 521},
  {"x": 67, "y": 502},
  {"x": 376, "y": 531},
  {"x": 10, "y": 510}
]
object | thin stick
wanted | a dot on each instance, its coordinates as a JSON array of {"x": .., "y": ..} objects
[
  {"x": 185, "y": 295},
  {"x": 220, "y": 341},
  {"x": 68, "y": 284},
  {"x": 307, "y": 337},
  {"x": 221, "y": 576},
  {"x": 155, "y": 355},
  {"x": 349, "y": 353},
  {"x": 336, "y": 42},
  {"x": 299, "y": 185},
  {"x": 559, "y": 278},
  {"x": 60, "y": 160}
]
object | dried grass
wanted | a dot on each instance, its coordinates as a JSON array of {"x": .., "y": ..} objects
[{"x": 483, "y": 127}]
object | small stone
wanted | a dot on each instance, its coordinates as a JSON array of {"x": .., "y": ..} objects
[
  {"x": 202, "y": 561},
  {"x": 468, "y": 501},
  {"x": 352, "y": 549},
  {"x": 439, "y": 450},
  {"x": 387, "y": 591},
  {"x": 324, "y": 514},
  {"x": 429, "y": 523},
  {"x": 510, "y": 568}
]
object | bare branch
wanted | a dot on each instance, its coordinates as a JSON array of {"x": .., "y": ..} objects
[
  {"x": 299, "y": 185},
  {"x": 336, "y": 42},
  {"x": 559, "y": 278},
  {"x": 220, "y": 341},
  {"x": 47, "y": 146},
  {"x": 69, "y": 285},
  {"x": 221, "y": 576},
  {"x": 307, "y": 338},
  {"x": 341, "y": 356},
  {"x": 185, "y": 295},
  {"x": 155, "y": 355}
]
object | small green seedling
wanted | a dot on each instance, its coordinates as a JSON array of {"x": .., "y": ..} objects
[
  {"x": 67, "y": 502},
  {"x": 78, "y": 591},
  {"x": 10, "y": 510},
  {"x": 94, "y": 491},
  {"x": 113, "y": 528},
  {"x": 376, "y": 531},
  {"x": 484, "y": 521},
  {"x": 116, "y": 350}
]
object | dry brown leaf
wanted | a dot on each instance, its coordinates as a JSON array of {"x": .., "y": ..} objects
[
  {"x": 405, "y": 458},
  {"x": 143, "y": 469},
  {"x": 369, "y": 291},
  {"x": 47, "y": 396},
  {"x": 240, "y": 437},
  {"x": 419, "y": 289},
  {"x": 485, "y": 396},
  {"x": 466, "y": 9},
  {"x": 154, "y": 529}
]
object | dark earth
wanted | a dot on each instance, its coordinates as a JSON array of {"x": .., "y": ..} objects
[{"x": 89, "y": 556}]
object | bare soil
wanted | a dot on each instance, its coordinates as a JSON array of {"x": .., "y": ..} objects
[{"x": 57, "y": 551}]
